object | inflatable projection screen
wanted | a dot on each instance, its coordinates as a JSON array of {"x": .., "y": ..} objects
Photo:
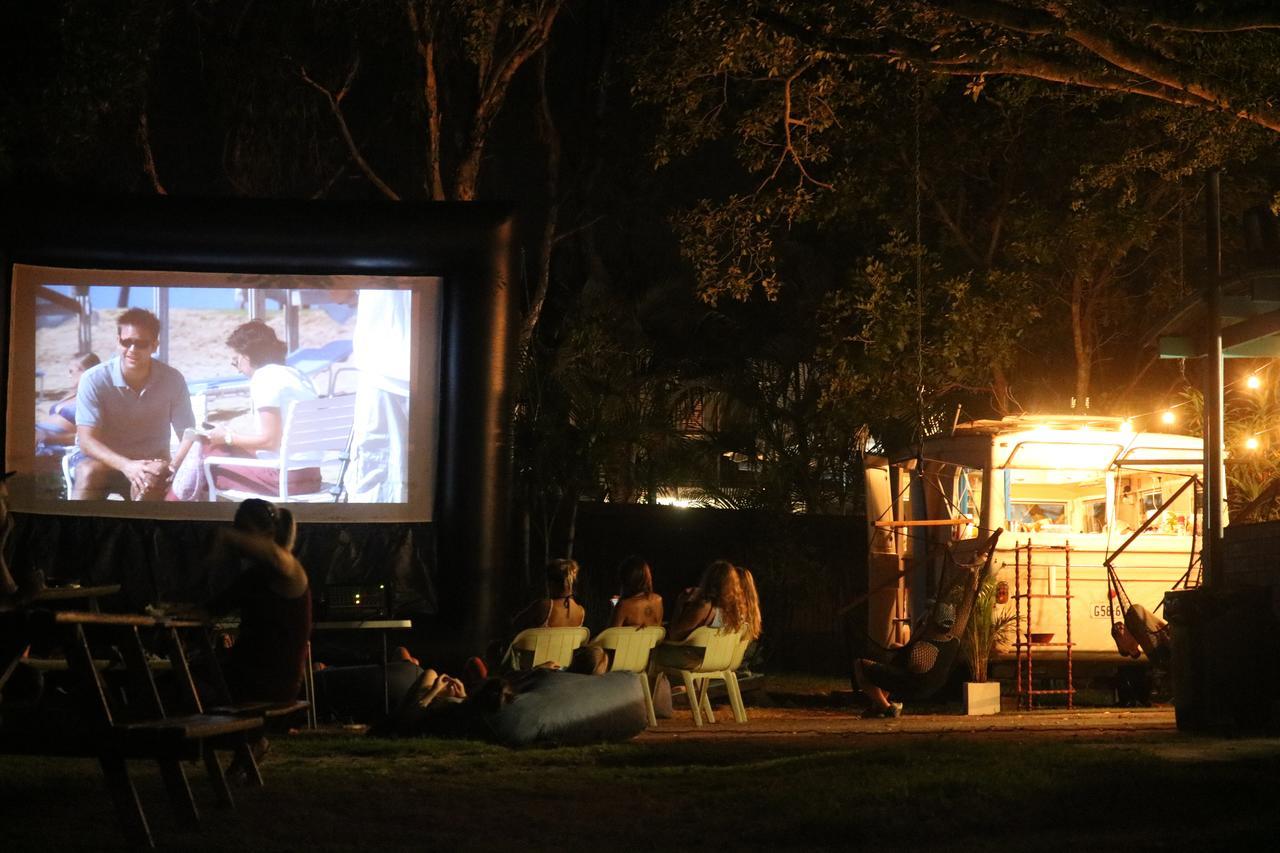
[{"x": 387, "y": 386}]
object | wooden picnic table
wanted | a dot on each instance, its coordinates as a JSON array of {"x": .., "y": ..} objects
[
  {"x": 55, "y": 595},
  {"x": 115, "y": 731}
]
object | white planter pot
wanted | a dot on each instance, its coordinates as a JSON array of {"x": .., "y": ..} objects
[{"x": 981, "y": 698}]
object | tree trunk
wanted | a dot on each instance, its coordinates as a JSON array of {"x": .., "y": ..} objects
[{"x": 1081, "y": 337}]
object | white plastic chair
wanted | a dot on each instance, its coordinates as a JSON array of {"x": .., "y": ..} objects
[
  {"x": 315, "y": 432},
  {"x": 719, "y": 649},
  {"x": 535, "y": 646},
  {"x": 632, "y": 648}
]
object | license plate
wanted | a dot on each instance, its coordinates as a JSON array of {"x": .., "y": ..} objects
[{"x": 1106, "y": 610}]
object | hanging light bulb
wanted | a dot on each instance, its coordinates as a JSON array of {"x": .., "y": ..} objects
[
  {"x": 1168, "y": 417},
  {"x": 1254, "y": 382},
  {"x": 1251, "y": 443},
  {"x": 1126, "y": 425}
]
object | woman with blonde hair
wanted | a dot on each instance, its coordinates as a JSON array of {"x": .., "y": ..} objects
[
  {"x": 557, "y": 609},
  {"x": 560, "y": 610},
  {"x": 751, "y": 602},
  {"x": 718, "y": 601}
]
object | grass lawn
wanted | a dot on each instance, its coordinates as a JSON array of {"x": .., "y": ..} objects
[{"x": 986, "y": 791}]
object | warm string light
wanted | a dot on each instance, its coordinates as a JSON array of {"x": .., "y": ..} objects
[{"x": 1168, "y": 415}]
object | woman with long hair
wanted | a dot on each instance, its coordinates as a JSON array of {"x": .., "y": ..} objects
[
  {"x": 751, "y": 602},
  {"x": 718, "y": 601},
  {"x": 638, "y": 605}
]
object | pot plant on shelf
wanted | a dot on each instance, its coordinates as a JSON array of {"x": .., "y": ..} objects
[{"x": 987, "y": 627}]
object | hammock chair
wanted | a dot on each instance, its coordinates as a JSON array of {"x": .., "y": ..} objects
[{"x": 921, "y": 667}]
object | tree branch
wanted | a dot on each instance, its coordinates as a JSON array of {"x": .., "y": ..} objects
[
  {"x": 335, "y": 107},
  {"x": 1158, "y": 78},
  {"x": 424, "y": 39},
  {"x": 1122, "y": 54},
  {"x": 551, "y": 137},
  {"x": 148, "y": 159},
  {"x": 493, "y": 93}
]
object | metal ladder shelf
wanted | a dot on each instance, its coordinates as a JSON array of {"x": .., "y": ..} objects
[{"x": 1023, "y": 569}]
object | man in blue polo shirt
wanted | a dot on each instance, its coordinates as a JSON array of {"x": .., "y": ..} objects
[{"x": 125, "y": 408}]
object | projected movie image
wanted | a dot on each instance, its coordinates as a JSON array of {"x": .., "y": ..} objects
[{"x": 170, "y": 394}]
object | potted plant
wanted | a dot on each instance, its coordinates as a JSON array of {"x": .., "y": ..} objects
[{"x": 986, "y": 628}]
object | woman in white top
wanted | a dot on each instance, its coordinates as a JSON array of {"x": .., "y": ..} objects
[{"x": 273, "y": 385}]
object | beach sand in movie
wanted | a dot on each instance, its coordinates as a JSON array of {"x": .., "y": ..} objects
[{"x": 197, "y": 347}]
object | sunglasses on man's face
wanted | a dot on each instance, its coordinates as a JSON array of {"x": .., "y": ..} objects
[{"x": 136, "y": 343}]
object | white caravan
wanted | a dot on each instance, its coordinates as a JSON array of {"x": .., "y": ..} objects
[{"x": 1070, "y": 494}]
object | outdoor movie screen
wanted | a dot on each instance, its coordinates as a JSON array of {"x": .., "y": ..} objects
[{"x": 169, "y": 394}]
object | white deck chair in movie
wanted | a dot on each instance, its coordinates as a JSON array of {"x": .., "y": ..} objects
[{"x": 315, "y": 433}]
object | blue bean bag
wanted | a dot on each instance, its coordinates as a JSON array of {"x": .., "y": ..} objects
[{"x": 552, "y": 707}]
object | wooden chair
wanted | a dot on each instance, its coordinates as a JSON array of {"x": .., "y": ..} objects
[
  {"x": 632, "y": 647},
  {"x": 719, "y": 648},
  {"x": 535, "y": 646}
]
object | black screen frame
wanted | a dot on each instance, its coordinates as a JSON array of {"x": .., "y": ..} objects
[{"x": 468, "y": 245}]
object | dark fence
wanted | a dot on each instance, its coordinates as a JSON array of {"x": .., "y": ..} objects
[{"x": 806, "y": 568}]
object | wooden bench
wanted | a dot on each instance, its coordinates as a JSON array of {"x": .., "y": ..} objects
[{"x": 115, "y": 731}]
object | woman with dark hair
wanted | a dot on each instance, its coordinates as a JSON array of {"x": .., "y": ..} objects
[
  {"x": 259, "y": 355},
  {"x": 273, "y": 595},
  {"x": 273, "y": 386},
  {"x": 638, "y": 605}
]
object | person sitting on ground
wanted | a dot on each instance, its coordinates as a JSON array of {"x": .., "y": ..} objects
[
  {"x": 638, "y": 605},
  {"x": 436, "y": 704},
  {"x": 273, "y": 386},
  {"x": 57, "y": 429},
  {"x": 559, "y": 610},
  {"x": 440, "y": 705},
  {"x": 125, "y": 409}
]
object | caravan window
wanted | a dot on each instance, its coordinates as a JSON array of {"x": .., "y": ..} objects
[
  {"x": 1038, "y": 515},
  {"x": 1095, "y": 516},
  {"x": 969, "y": 501}
]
